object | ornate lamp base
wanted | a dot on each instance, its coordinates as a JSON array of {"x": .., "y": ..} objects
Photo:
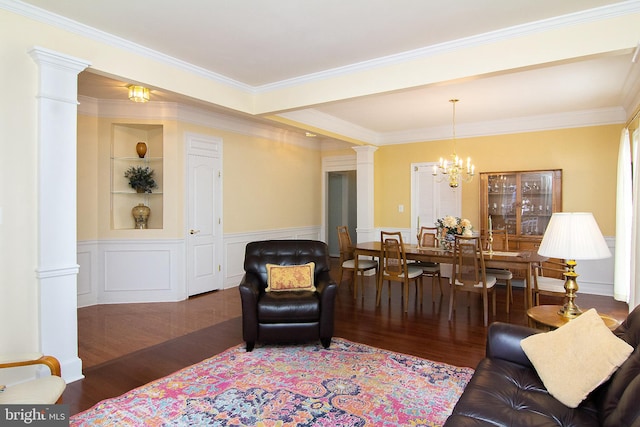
[{"x": 570, "y": 309}]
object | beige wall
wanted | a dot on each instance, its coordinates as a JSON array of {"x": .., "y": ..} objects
[
  {"x": 18, "y": 192},
  {"x": 267, "y": 184},
  {"x": 587, "y": 157}
]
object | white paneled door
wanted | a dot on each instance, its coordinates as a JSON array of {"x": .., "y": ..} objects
[
  {"x": 431, "y": 199},
  {"x": 204, "y": 232}
]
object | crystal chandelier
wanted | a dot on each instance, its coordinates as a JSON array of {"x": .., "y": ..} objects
[{"x": 454, "y": 169}]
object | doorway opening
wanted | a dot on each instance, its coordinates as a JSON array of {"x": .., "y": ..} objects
[{"x": 341, "y": 206}]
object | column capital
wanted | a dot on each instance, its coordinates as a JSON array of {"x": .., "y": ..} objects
[{"x": 364, "y": 149}]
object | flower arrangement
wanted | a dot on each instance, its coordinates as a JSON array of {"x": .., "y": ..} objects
[
  {"x": 450, "y": 226},
  {"x": 141, "y": 178}
]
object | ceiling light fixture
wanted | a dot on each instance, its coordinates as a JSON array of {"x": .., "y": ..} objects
[
  {"x": 138, "y": 93},
  {"x": 454, "y": 169}
]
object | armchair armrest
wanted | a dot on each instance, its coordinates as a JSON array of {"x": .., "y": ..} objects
[
  {"x": 15, "y": 360},
  {"x": 250, "y": 288},
  {"x": 503, "y": 342},
  {"x": 327, "y": 290}
]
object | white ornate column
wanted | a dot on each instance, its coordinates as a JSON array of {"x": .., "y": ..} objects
[
  {"x": 57, "y": 268},
  {"x": 364, "y": 186}
]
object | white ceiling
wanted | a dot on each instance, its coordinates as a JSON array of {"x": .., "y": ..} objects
[{"x": 259, "y": 44}]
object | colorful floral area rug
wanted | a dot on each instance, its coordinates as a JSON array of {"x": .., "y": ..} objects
[{"x": 348, "y": 384}]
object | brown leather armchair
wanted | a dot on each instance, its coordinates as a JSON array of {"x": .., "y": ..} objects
[{"x": 286, "y": 316}]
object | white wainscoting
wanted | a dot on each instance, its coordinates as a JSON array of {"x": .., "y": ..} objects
[
  {"x": 129, "y": 271},
  {"x": 126, "y": 271},
  {"x": 235, "y": 243},
  {"x": 154, "y": 270},
  {"x": 596, "y": 276},
  {"x": 88, "y": 274}
]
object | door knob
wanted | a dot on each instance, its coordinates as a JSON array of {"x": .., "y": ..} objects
[{"x": 192, "y": 231}]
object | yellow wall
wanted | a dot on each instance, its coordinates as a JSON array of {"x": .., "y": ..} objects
[
  {"x": 267, "y": 184},
  {"x": 587, "y": 157}
]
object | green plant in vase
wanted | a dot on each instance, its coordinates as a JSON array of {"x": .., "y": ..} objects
[{"x": 141, "y": 178}]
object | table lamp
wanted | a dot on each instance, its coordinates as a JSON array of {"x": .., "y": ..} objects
[{"x": 572, "y": 236}]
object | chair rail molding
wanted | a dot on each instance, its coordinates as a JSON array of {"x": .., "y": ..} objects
[{"x": 235, "y": 243}]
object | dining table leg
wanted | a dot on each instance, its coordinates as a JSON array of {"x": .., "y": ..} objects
[
  {"x": 355, "y": 275},
  {"x": 527, "y": 288}
]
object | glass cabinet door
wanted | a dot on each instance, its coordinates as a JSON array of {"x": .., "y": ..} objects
[
  {"x": 520, "y": 202},
  {"x": 503, "y": 201},
  {"x": 536, "y": 207}
]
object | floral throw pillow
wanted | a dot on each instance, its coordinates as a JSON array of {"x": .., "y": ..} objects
[{"x": 290, "y": 277}]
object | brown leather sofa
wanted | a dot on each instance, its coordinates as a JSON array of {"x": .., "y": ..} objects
[
  {"x": 506, "y": 391},
  {"x": 286, "y": 316}
]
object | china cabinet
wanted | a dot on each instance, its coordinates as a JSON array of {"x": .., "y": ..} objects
[
  {"x": 521, "y": 203},
  {"x": 127, "y": 151}
]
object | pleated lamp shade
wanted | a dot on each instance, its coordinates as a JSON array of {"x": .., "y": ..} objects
[{"x": 573, "y": 236}]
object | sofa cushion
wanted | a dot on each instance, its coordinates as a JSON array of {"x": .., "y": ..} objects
[
  {"x": 503, "y": 393},
  {"x": 290, "y": 277},
  {"x": 577, "y": 357}
]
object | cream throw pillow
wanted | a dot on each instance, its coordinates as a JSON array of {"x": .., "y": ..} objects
[
  {"x": 577, "y": 357},
  {"x": 290, "y": 277}
]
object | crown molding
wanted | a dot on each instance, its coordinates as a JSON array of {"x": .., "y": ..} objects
[
  {"x": 186, "y": 114},
  {"x": 598, "y": 117},
  {"x": 604, "y": 12},
  {"x": 631, "y": 89},
  {"x": 317, "y": 119},
  {"x": 334, "y": 145},
  {"x": 49, "y": 18},
  {"x": 575, "y": 119},
  {"x": 600, "y": 13}
]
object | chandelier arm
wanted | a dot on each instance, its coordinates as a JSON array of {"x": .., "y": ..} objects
[{"x": 455, "y": 170}]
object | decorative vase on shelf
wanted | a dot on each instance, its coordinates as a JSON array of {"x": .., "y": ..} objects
[
  {"x": 141, "y": 149},
  {"x": 141, "y": 215}
]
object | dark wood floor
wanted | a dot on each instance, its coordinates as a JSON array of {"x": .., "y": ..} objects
[{"x": 124, "y": 346}]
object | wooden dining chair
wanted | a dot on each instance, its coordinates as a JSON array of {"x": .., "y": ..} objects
[
  {"x": 501, "y": 243},
  {"x": 427, "y": 239},
  {"x": 548, "y": 279},
  {"x": 469, "y": 275},
  {"x": 347, "y": 261},
  {"x": 394, "y": 267}
]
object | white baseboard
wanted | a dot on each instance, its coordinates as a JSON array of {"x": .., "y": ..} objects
[{"x": 135, "y": 271}]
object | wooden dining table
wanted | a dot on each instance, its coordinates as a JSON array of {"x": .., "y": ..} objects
[{"x": 514, "y": 260}]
